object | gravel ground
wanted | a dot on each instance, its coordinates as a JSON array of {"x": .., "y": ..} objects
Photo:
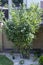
[{"x": 17, "y": 59}]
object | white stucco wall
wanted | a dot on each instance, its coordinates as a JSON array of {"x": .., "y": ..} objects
[
  {"x": 9, "y": 7},
  {"x": 29, "y": 2}
]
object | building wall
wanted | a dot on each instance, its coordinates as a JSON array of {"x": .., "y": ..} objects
[
  {"x": 7, "y": 44},
  {"x": 0, "y": 37},
  {"x": 38, "y": 41}
]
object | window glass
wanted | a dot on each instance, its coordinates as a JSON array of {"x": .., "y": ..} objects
[
  {"x": 17, "y": 2},
  {"x": 4, "y": 2}
]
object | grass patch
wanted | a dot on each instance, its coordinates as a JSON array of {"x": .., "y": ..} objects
[{"x": 5, "y": 61}]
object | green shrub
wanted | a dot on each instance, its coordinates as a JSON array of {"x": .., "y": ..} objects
[
  {"x": 1, "y": 15},
  {"x": 41, "y": 60},
  {"x": 21, "y": 29}
]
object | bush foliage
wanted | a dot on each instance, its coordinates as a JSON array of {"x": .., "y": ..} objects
[
  {"x": 41, "y": 60},
  {"x": 21, "y": 29},
  {"x": 1, "y": 15}
]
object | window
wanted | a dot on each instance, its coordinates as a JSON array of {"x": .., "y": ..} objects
[
  {"x": 17, "y": 2},
  {"x": 4, "y": 2}
]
